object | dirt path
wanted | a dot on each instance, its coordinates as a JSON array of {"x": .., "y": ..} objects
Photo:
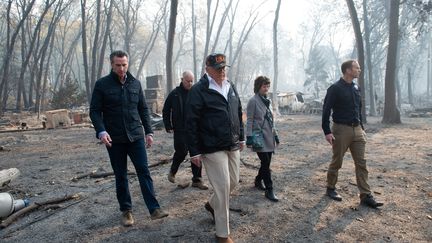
[{"x": 400, "y": 172}]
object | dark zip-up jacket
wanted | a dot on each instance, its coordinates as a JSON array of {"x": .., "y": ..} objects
[
  {"x": 173, "y": 110},
  {"x": 345, "y": 101},
  {"x": 212, "y": 122},
  {"x": 120, "y": 109}
]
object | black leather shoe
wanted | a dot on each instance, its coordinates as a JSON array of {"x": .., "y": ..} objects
[
  {"x": 271, "y": 196},
  {"x": 210, "y": 209},
  {"x": 369, "y": 201},
  {"x": 333, "y": 194},
  {"x": 260, "y": 184}
]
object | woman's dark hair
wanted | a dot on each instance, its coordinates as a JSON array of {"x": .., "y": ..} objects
[
  {"x": 117, "y": 53},
  {"x": 260, "y": 81}
]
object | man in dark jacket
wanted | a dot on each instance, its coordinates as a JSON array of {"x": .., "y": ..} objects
[
  {"x": 174, "y": 121},
  {"x": 343, "y": 101},
  {"x": 215, "y": 136},
  {"x": 118, "y": 112}
]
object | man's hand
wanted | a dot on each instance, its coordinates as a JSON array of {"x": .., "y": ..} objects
[
  {"x": 170, "y": 130},
  {"x": 106, "y": 139},
  {"x": 242, "y": 146},
  {"x": 149, "y": 141},
  {"x": 196, "y": 160},
  {"x": 330, "y": 138}
]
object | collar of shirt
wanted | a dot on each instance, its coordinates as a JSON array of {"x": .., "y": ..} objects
[
  {"x": 215, "y": 86},
  {"x": 124, "y": 80}
]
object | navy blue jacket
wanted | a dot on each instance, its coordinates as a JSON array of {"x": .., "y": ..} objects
[
  {"x": 212, "y": 122},
  {"x": 344, "y": 100},
  {"x": 120, "y": 109}
]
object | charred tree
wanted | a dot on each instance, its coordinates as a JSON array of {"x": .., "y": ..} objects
[
  {"x": 170, "y": 45},
  {"x": 360, "y": 53},
  {"x": 10, "y": 45},
  {"x": 391, "y": 112},
  {"x": 367, "y": 33},
  {"x": 275, "y": 58}
]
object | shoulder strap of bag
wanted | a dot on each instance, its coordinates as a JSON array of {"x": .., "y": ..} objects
[{"x": 262, "y": 125}]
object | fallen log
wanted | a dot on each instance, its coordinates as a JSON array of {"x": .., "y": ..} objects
[
  {"x": 161, "y": 162},
  {"x": 249, "y": 165},
  {"x": 94, "y": 174},
  {"x": 5, "y": 223},
  {"x": 21, "y": 130}
]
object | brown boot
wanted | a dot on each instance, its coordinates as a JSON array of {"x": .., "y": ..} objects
[
  {"x": 224, "y": 239},
  {"x": 127, "y": 218},
  {"x": 171, "y": 177},
  {"x": 158, "y": 214},
  {"x": 200, "y": 185}
]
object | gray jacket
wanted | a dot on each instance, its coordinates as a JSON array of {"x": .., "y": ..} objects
[{"x": 256, "y": 111}]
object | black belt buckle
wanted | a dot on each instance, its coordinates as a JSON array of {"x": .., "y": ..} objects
[{"x": 354, "y": 124}]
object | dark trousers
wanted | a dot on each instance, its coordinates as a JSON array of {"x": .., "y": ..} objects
[
  {"x": 264, "y": 172},
  {"x": 136, "y": 151},
  {"x": 181, "y": 150}
]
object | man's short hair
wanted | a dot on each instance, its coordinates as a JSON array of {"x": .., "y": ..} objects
[
  {"x": 188, "y": 73},
  {"x": 259, "y": 82},
  {"x": 347, "y": 65},
  {"x": 118, "y": 53}
]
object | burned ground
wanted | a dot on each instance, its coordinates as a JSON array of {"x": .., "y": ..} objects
[{"x": 400, "y": 172}]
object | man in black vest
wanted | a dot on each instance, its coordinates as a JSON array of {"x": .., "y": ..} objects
[{"x": 174, "y": 121}]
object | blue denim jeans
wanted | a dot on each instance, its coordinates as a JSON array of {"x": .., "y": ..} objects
[{"x": 118, "y": 153}]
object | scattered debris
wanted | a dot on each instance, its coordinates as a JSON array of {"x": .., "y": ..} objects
[
  {"x": 352, "y": 183},
  {"x": 420, "y": 112},
  {"x": 387, "y": 238},
  {"x": 5, "y": 223},
  {"x": 183, "y": 185},
  {"x": 251, "y": 166},
  {"x": 360, "y": 219},
  {"x": 161, "y": 162},
  {"x": 2, "y": 148},
  {"x": 238, "y": 210},
  {"x": 156, "y": 121},
  {"x": 6, "y": 176}
]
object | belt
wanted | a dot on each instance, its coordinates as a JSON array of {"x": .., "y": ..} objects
[{"x": 352, "y": 124}]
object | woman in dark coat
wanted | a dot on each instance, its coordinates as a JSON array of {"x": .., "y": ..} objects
[{"x": 260, "y": 117}]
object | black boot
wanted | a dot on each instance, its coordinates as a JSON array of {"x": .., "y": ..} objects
[
  {"x": 259, "y": 184},
  {"x": 270, "y": 195},
  {"x": 333, "y": 194}
]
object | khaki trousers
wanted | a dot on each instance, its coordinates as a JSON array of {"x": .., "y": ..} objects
[
  {"x": 222, "y": 170},
  {"x": 353, "y": 138}
]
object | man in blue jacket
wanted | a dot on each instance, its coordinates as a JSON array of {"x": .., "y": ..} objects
[
  {"x": 215, "y": 137},
  {"x": 173, "y": 114},
  {"x": 118, "y": 112}
]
